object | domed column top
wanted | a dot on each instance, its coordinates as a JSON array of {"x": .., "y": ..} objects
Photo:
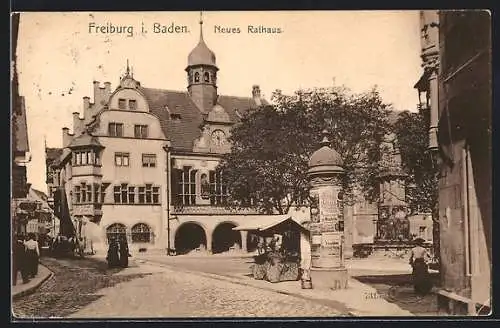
[{"x": 325, "y": 160}]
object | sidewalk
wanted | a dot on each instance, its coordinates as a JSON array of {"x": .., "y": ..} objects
[
  {"x": 21, "y": 289},
  {"x": 356, "y": 300}
]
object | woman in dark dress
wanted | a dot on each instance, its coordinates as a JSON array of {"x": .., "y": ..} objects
[
  {"x": 19, "y": 260},
  {"x": 124, "y": 253},
  {"x": 418, "y": 260},
  {"x": 113, "y": 258}
]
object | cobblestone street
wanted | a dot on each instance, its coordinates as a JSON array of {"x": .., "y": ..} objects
[
  {"x": 75, "y": 284},
  {"x": 86, "y": 289},
  {"x": 178, "y": 294}
]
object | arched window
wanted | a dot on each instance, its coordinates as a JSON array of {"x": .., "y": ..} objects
[
  {"x": 116, "y": 230},
  {"x": 196, "y": 77},
  {"x": 141, "y": 233},
  {"x": 206, "y": 77}
]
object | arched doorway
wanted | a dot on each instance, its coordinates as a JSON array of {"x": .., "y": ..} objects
[
  {"x": 116, "y": 231},
  {"x": 189, "y": 236},
  {"x": 224, "y": 237}
]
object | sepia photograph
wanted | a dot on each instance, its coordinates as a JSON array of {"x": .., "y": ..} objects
[{"x": 251, "y": 164}]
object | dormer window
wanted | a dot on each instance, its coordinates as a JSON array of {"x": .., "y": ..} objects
[
  {"x": 132, "y": 104},
  {"x": 122, "y": 103},
  {"x": 206, "y": 77},
  {"x": 196, "y": 77}
]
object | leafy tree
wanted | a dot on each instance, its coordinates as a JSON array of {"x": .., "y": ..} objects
[
  {"x": 268, "y": 163},
  {"x": 412, "y": 133}
]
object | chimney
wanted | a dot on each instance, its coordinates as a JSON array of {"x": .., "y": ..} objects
[
  {"x": 67, "y": 138},
  {"x": 107, "y": 91},
  {"x": 97, "y": 93},
  {"x": 86, "y": 104},
  {"x": 256, "y": 94},
  {"x": 76, "y": 123}
]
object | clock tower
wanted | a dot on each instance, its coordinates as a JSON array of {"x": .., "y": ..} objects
[{"x": 202, "y": 75}]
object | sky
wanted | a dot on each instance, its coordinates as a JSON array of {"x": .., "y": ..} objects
[{"x": 58, "y": 58}]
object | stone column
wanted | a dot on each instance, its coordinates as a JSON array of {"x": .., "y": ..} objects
[
  {"x": 208, "y": 235},
  {"x": 327, "y": 218},
  {"x": 244, "y": 241}
]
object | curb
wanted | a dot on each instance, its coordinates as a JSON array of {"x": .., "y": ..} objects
[
  {"x": 33, "y": 288},
  {"x": 348, "y": 313}
]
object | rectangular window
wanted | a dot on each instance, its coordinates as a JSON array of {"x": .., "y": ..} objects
[
  {"x": 218, "y": 189},
  {"x": 124, "y": 193},
  {"x": 131, "y": 195},
  {"x": 117, "y": 194},
  {"x": 142, "y": 195},
  {"x": 89, "y": 193},
  {"x": 97, "y": 193},
  {"x": 156, "y": 195},
  {"x": 148, "y": 160},
  {"x": 149, "y": 194},
  {"x": 115, "y": 129},
  {"x": 77, "y": 194},
  {"x": 122, "y": 159},
  {"x": 78, "y": 158},
  {"x": 141, "y": 131},
  {"x": 122, "y": 103},
  {"x": 186, "y": 192},
  {"x": 132, "y": 104},
  {"x": 84, "y": 158},
  {"x": 84, "y": 193}
]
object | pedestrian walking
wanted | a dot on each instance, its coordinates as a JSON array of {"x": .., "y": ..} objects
[
  {"x": 32, "y": 254},
  {"x": 113, "y": 256},
  {"x": 419, "y": 260},
  {"x": 19, "y": 260},
  {"x": 124, "y": 252}
]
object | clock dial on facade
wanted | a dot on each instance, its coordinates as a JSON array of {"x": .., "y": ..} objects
[{"x": 218, "y": 137}]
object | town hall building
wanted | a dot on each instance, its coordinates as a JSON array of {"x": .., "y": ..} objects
[{"x": 142, "y": 163}]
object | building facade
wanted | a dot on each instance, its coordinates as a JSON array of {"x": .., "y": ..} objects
[
  {"x": 456, "y": 52},
  {"x": 142, "y": 162}
]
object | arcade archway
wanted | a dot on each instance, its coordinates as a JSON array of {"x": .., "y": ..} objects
[
  {"x": 224, "y": 237},
  {"x": 188, "y": 237}
]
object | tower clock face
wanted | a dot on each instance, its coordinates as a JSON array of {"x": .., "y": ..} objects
[{"x": 218, "y": 138}]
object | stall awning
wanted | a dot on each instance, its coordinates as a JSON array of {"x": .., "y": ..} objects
[{"x": 265, "y": 223}]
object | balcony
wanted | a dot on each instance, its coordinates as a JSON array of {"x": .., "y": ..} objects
[
  {"x": 86, "y": 170},
  {"x": 87, "y": 209}
]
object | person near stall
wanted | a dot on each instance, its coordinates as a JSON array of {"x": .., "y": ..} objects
[{"x": 419, "y": 260}]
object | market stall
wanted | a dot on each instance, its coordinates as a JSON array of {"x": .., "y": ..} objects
[{"x": 283, "y": 249}]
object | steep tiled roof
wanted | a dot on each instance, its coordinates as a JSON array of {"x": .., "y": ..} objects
[
  {"x": 184, "y": 130},
  {"x": 84, "y": 140},
  {"x": 21, "y": 127}
]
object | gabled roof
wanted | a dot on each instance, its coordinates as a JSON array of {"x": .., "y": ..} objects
[
  {"x": 183, "y": 131},
  {"x": 267, "y": 222},
  {"x": 85, "y": 140}
]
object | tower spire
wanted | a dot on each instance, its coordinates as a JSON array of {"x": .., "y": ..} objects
[
  {"x": 128, "y": 68},
  {"x": 201, "y": 26}
]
